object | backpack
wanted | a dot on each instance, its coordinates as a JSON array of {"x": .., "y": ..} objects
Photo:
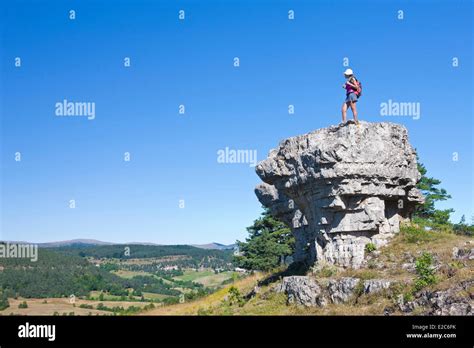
[{"x": 359, "y": 90}]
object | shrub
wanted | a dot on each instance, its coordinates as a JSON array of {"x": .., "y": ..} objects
[
  {"x": 326, "y": 271},
  {"x": 407, "y": 296},
  {"x": 149, "y": 306},
  {"x": 370, "y": 247},
  {"x": 235, "y": 297},
  {"x": 425, "y": 271},
  {"x": 203, "y": 311},
  {"x": 359, "y": 290},
  {"x": 415, "y": 234},
  {"x": 23, "y": 305},
  {"x": 463, "y": 228}
]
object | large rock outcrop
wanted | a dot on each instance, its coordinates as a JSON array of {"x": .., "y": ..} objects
[{"x": 341, "y": 187}]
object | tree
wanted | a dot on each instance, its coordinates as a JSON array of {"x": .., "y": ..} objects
[
  {"x": 428, "y": 186},
  {"x": 269, "y": 242},
  {"x": 463, "y": 228},
  {"x": 4, "y": 301}
]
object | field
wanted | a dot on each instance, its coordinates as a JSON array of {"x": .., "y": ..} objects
[
  {"x": 94, "y": 296},
  {"x": 61, "y": 306},
  {"x": 129, "y": 274},
  {"x": 206, "y": 277},
  {"x": 152, "y": 297}
]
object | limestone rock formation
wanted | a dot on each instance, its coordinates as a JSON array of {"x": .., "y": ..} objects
[
  {"x": 463, "y": 253},
  {"x": 341, "y": 187},
  {"x": 311, "y": 292},
  {"x": 372, "y": 286},
  {"x": 341, "y": 290},
  {"x": 443, "y": 302},
  {"x": 302, "y": 290}
]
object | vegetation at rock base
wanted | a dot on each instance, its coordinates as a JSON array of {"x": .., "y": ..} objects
[{"x": 370, "y": 247}]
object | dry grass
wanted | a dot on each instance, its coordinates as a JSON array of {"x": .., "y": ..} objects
[{"x": 215, "y": 299}]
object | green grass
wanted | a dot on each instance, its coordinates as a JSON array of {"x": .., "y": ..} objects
[
  {"x": 107, "y": 297},
  {"x": 130, "y": 274},
  {"x": 207, "y": 278},
  {"x": 152, "y": 296},
  {"x": 191, "y": 275},
  {"x": 326, "y": 271},
  {"x": 417, "y": 234},
  {"x": 215, "y": 280}
]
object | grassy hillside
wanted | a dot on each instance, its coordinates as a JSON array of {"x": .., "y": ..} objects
[{"x": 393, "y": 262}]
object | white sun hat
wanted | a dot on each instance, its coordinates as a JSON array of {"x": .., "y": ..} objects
[{"x": 348, "y": 72}]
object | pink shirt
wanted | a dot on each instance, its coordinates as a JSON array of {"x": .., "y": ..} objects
[{"x": 349, "y": 89}]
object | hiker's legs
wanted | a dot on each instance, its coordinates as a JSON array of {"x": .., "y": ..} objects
[
  {"x": 344, "y": 111},
  {"x": 354, "y": 111}
]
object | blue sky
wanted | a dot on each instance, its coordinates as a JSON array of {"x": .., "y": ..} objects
[{"x": 190, "y": 62}]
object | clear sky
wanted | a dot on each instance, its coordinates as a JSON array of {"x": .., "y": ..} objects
[{"x": 191, "y": 62}]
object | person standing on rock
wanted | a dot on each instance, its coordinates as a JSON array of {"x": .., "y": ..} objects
[{"x": 353, "y": 91}]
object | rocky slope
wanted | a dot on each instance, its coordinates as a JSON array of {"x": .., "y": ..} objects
[
  {"x": 341, "y": 188},
  {"x": 384, "y": 285},
  {"x": 392, "y": 278}
]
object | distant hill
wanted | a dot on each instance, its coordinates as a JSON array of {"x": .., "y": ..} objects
[
  {"x": 95, "y": 242},
  {"x": 214, "y": 245},
  {"x": 73, "y": 242}
]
